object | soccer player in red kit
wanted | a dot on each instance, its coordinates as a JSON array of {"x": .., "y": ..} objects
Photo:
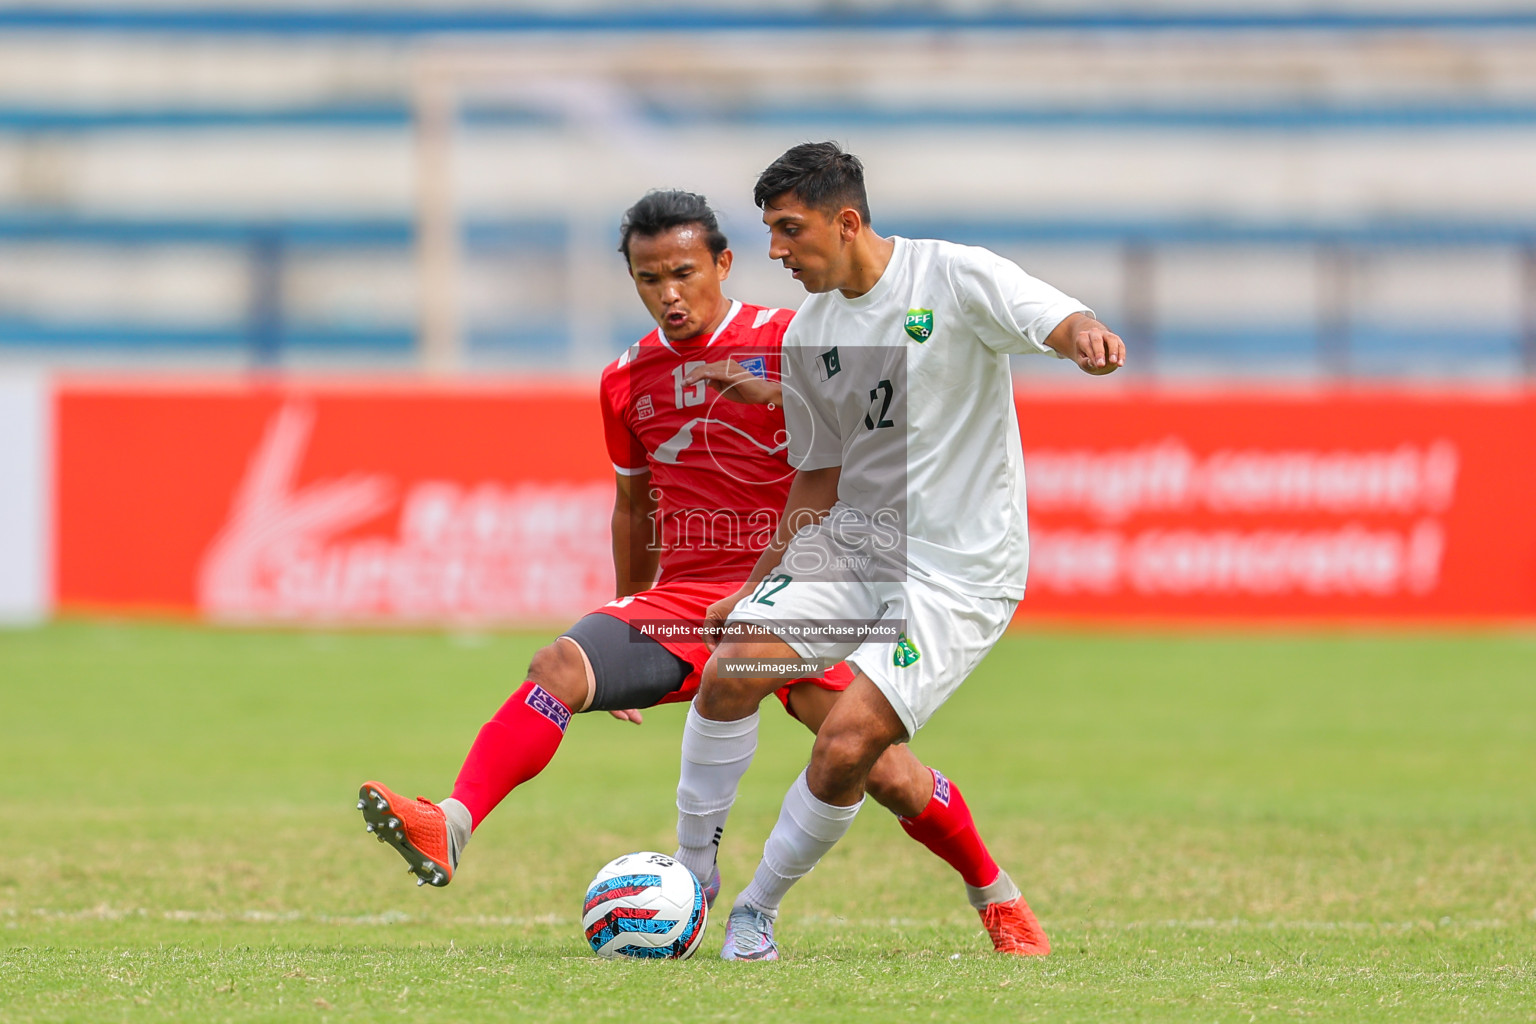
[{"x": 699, "y": 482}]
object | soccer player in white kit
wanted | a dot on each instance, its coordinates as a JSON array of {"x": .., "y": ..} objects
[{"x": 906, "y": 517}]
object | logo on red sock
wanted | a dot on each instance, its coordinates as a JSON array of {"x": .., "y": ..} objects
[
  {"x": 548, "y": 705},
  {"x": 940, "y": 787}
]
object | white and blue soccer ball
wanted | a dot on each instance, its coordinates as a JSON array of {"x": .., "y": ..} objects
[{"x": 646, "y": 906}]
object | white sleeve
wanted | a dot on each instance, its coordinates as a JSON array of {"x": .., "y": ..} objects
[
  {"x": 1010, "y": 311},
  {"x": 814, "y": 440}
]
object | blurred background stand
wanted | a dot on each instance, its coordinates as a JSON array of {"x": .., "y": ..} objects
[{"x": 1263, "y": 192}]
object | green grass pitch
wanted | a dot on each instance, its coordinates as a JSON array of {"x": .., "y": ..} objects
[{"x": 1212, "y": 828}]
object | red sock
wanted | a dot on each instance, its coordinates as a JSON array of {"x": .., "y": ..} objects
[
  {"x": 514, "y": 746},
  {"x": 945, "y": 827}
]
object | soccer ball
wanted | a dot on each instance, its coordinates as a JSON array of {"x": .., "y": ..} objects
[{"x": 644, "y": 905}]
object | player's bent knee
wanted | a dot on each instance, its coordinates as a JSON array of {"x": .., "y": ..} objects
[
  {"x": 724, "y": 694},
  {"x": 843, "y": 757},
  {"x": 558, "y": 668}
]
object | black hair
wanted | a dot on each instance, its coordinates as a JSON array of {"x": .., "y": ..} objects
[
  {"x": 820, "y": 175},
  {"x": 660, "y": 211}
]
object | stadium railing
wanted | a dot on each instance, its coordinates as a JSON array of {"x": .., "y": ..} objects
[
  {"x": 267, "y": 332},
  {"x": 424, "y": 20},
  {"x": 1308, "y": 118}
]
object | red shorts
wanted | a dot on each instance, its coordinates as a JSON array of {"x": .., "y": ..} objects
[{"x": 681, "y": 606}]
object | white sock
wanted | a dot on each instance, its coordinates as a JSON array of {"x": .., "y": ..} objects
[
  {"x": 807, "y": 828},
  {"x": 460, "y": 826},
  {"x": 715, "y": 757},
  {"x": 1002, "y": 890}
]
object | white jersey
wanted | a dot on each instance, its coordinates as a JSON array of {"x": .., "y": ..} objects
[{"x": 907, "y": 388}]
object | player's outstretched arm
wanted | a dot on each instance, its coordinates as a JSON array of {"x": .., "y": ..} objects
[
  {"x": 1088, "y": 343},
  {"x": 739, "y": 385}
]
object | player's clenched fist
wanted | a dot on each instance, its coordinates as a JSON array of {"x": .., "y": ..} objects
[{"x": 1089, "y": 344}]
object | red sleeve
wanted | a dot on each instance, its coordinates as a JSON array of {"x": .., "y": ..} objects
[{"x": 624, "y": 449}]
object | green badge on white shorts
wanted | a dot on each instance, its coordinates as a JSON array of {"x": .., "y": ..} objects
[{"x": 906, "y": 652}]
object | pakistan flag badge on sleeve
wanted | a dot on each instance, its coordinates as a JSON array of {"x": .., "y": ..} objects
[
  {"x": 919, "y": 324},
  {"x": 906, "y": 652}
]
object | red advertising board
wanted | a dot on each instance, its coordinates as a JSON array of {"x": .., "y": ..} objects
[
  {"x": 422, "y": 503},
  {"x": 305, "y": 503},
  {"x": 1353, "y": 506}
]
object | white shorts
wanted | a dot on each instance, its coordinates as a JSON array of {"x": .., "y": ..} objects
[{"x": 944, "y": 634}]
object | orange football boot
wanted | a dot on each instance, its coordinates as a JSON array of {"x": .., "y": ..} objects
[
  {"x": 1014, "y": 929},
  {"x": 417, "y": 829}
]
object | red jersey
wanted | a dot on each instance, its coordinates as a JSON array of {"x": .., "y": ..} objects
[{"x": 719, "y": 469}]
